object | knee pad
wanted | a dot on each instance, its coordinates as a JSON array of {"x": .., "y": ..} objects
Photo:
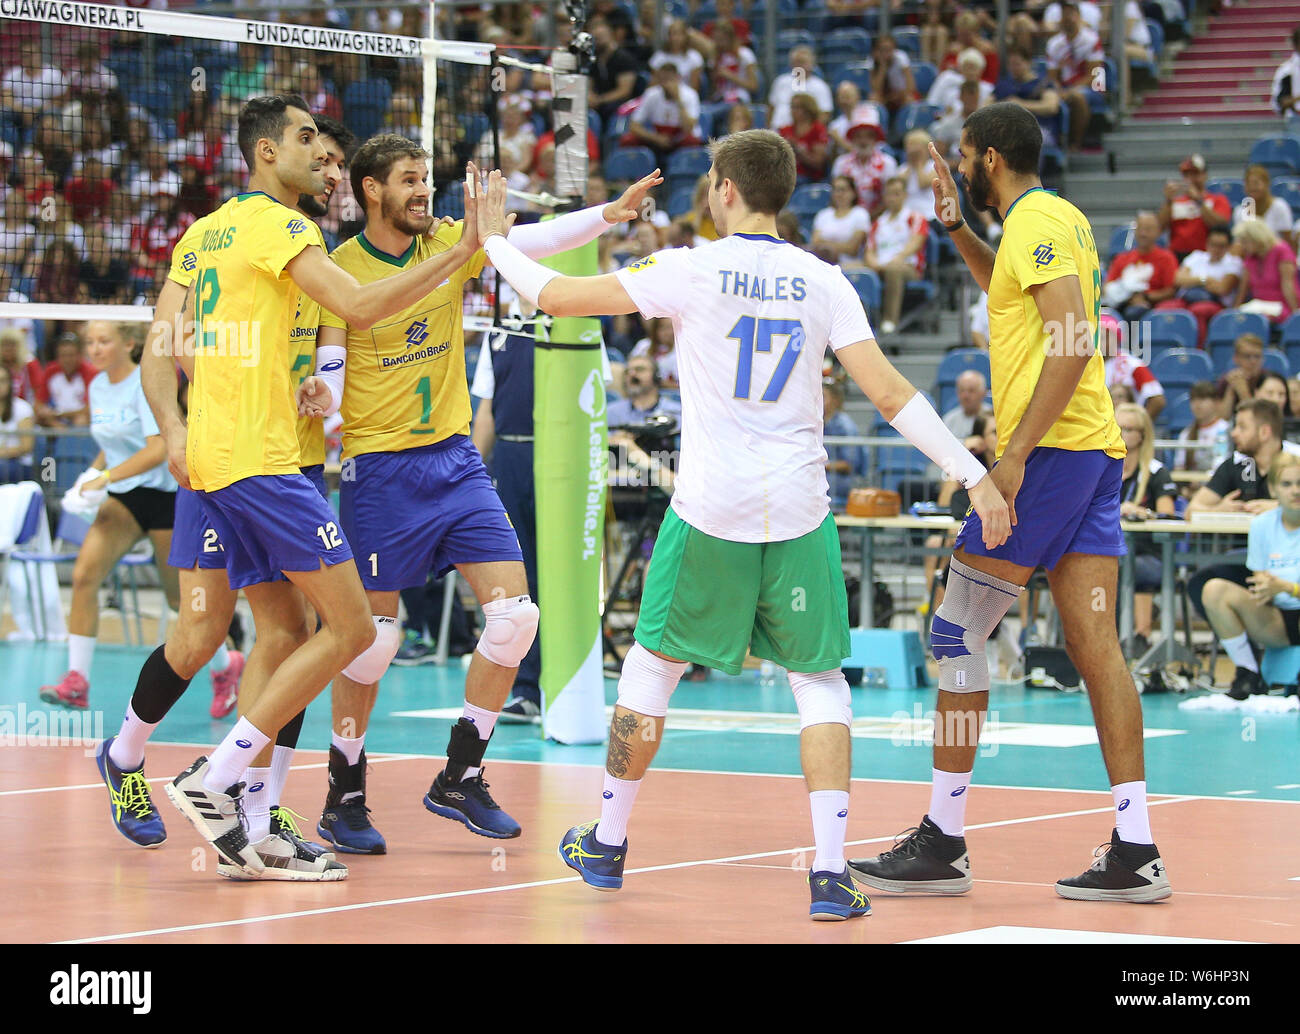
[
  {"x": 822, "y": 698},
  {"x": 509, "y": 630},
  {"x": 972, "y": 606},
  {"x": 648, "y": 681},
  {"x": 369, "y": 666}
]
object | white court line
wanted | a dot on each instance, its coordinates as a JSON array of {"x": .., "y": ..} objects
[{"x": 551, "y": 883}]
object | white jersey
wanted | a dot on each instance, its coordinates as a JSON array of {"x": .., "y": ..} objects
[{"x": 752, "y": 316}]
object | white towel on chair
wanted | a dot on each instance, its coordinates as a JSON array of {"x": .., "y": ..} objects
[{"x": 14, "y": 502}]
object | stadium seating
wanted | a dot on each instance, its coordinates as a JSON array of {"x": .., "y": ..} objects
[
  {"x": 1230, "y": 324},
  {"x": 629, "y": 163},
  {"x": 924, "y": 74},
  {"x": 1181, "y": 368},
  {"x": 810, "y": 198},
  {"x": 1234, "y": 190},
  {"x": 1177, "y": 413},
  {"x": 365, "y": 104},
  {"x": 1176, "y": 327},
  {"x": 867, "y": 284},
  {"x": 1281, "y": 154}
]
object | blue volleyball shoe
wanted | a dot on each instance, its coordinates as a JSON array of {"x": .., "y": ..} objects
[
  {"x": 599, "y": 865},
  {"x": 129, "y": 803},
  {"x": 836, "y": 897}
]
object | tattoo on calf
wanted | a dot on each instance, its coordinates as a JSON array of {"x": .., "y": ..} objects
[{"x": 621, "y": 730}]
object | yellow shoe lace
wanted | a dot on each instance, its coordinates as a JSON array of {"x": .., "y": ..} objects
[
  {"x": 288, "y": 820},
  {"x": 133, "y": 796}
]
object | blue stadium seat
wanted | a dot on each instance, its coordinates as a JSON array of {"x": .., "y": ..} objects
[
  {"x": 365, "y": 104},
  {"x": 1230, "y": 324},
  {"x": 1177, "y": 413},
  {"x": 629, "y": 163},
  {"x": 1277, "y": 362},
  {"x": 912, "y": 116},
  {"x": 1288, "y": 189},
  {"x": 810, "y": 198},
  {"x": 1152, "y": 68},
  {"x": 851, "y": 42},
  {"x": 867, "y": 284},
  {"x": 1172, "y": 326},
  {"x": 689, "y": 163},
  {"x": 859, "y": 75},
  {"x": 786, "y": 39},
  {"x": 1291, "y": 334},
  {"x": 957, "y": 362},
  {"x": 759, "y": 111},
  {"x": 908, "y": 38},
  {"x": 475, "y": 126},
  {"x": 1181, "y": 368},
  {"x": 1121, "y": 240},
  {"x": 924, "y": 75},
  {"x": 1280, "y": 153},
  {"x": 1233, "y": 190},
  {"x": 679, "y": 203}
]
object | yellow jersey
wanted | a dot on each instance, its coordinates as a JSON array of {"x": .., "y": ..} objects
[
  {"x": 406, "y": 384},
  {"x": 242, "y": 416},
  {"x": 302, "y": 341},
  {"x": 1044, "y": 238}
]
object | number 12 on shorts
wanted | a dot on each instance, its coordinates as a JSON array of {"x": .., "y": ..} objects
[
  {"x": 755, "y": 335},
  {"x": 329, "y": 534}
]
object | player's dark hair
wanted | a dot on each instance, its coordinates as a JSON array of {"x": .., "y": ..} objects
[
  {"x": 377, "y": 156},
  {"x": 265, "y": 118},
  {"x": 332, "y": 127},
  {"x": 1266, "y": 414},
  {"x": 1203, "y": 390},
  {"x": 761, "y": 165},
  {"x": 1011, "y": 131}
]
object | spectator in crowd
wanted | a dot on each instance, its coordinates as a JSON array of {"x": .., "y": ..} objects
[
  {"x": 307, "y": 83},
  {"x": 1189, "y": 210},
  {"x": 892, "y": 83},
  {"x": 1263, "y": 204},
  {"x": 119, "y": 225},
  {"x": 614, "y": 75},
  {"x": 945, "y": 92},
  {"x": 967, "y": 36},
  {"x": 1263, "y": 608},
  {"x": 1137, "y": 43},
  {"x": 699, "y": 220},
  {"x": 1138, "y": 280},
  {"x": 918, "y": 170},
  {"x": 1285, "y": 90},
  {"x": 1072, "y": 54},
  {"x": 64, "y": 399},
  {"x": 1207, "y": 429},
  {"x": 947, "y": 130},
  {"x": 850, "y": 109},
  {"x": 1121, "y": 393},
  {"x": 1090, "y": 16},
  {"x": 155, "y": 182},
  {"x": 88, "y": 193},
  {"x": 937, "y": 18},
  {"x": 91, "y": 77},
  {"x": 865, "y": 164},
  {"x": 979, "y": 322},
  {"x": 1206, "y": 282},
  {"x": 16, "y": 415},
  {"x": 1273, "y": 388},
  {"x": 32, "y": 86},
  {"x": 1125, "y": 368},
  {"x": 515, "y": 136},
  {"x": 678, "y": 50},
  {"x": 30, "y": 181},
  {"x": 1238, "y": 384},
  {"x": 642, "y": 398},
  {"x": 844, "y": 14},
  {"x": 52, "y": 141},
  {"x": 1269, "y": 271},
  {"x": 896, "y": 250},
  {"x": 1293, "y": 389},
  {"x": 156, "y": 237},
  {"x": 807, "y": 135},
  {"x": 660, "y": 345},
  {"x": 105, "y": 277},
  {"x": 840, "y": 229},
  {"x": 97, "y": 142},
  {"x": 17, "y": 236},
  {"x": 1146, "y": 491},
  {"x": 789, "y": 230},
  {"x": 739, "y": 118},
  {"x": 248, "y": 78},
  {"x": 668, "y": 116},
  {"x": 25, "y": 374},
  {"x": 1032, "y": 92},
  {"x": 1238, "y": 484},
  {"x": 138, "y": 139},
  {"x": 801, "y": 78},
  {"x": 844, "y": 463},
  {"x": 56, "y": 274},
  {"x": 728, "y": 15},
  {"x": 971, "y": 388},
  {"x": 733, "y": 70}
]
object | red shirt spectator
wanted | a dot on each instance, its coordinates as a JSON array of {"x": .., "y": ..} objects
[
  {"x": 1163, "y": 261},
  {"x": 88, "y": 194},
  {"x": 1184, "y": 212},
  {"x": 808, "y": 136}
]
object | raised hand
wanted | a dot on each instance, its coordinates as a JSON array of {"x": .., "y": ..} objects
[
  {"x": 628, "y": 207},
  {"x": 314, "y": 397},
  {"x": 947, "y": 202},
  {"x": 473, "y": 190},
  {"x": 492, "y": 217}
]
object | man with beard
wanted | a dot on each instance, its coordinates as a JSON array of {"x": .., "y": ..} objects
[
  {"x": 1060, "y": 459},
  {"x": 415, "y": 493}
]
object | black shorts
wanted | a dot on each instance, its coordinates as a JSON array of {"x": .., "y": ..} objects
[
  {"x": 1291, "y": 619},
  {"x": 152, "y": 508}
]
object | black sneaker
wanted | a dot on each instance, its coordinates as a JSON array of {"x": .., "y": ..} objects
[
  {"x": 1247, "y": 683},
  {"x": 469, "y": 802},
  {"x": 924, "y": 861},
  {"x": 1122, "y": 872},
  {"x": 346, "y": 823}
]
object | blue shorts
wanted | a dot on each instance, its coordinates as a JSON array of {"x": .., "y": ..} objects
[
  {"x": 419, "y": 510},
  {"x": 1068, "y": 503},
  {"x": 270, "y": 523},
  {"x": 195, "y": 541}
]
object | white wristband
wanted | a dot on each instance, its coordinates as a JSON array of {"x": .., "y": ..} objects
[
  {"x": 522, "y": 273},
  {"x": 331, "y": 362},
  {"x": 920, "y": 424}
]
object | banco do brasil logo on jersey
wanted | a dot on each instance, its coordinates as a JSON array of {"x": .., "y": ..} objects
[
  {"x": 1044, "y": 254},
  {"x": 295, "y": 227},
  {"x": 189, "y": 262},
  {"x": 416, "y": 333}
]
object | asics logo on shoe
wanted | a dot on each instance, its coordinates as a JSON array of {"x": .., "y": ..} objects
[
  {"x": 842, "y": 814},
  {"x": 822, "y": 883},
  {"x": 958, "y": 792},
  {"x": 859, "y": 899},
  {"x": 1124, "y": 804},
  {"x": 244, "y": 744},
  {"x": 608, "y": 795},
  {"x": 470, "y": 720},
  {"x": 256, "y": 787}
]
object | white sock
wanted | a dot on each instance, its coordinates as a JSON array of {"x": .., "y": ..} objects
[
  {"x": 615, "y": 809},
  {"x": 257, "y": 803},
  {"x": 234, "y": 754},
  {"x": 350, "y": 749},
  {"x": 127, "y": 751},
  {"x": 948, "y": 801},
  {"x": 81, "y": 651},
  {"x": 830, "y": 818},
  {"x": 484, "y": 722},
  {"x": 1237, "y": 648},
  {"x": 221, "y": 659},
  {"x": 280, "y": 760},
  {"x": 1131, "y": 818}
]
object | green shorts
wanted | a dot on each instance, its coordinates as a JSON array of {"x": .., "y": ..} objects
[{"x": 708, "y": 600}]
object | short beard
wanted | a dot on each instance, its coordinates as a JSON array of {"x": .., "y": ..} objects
[
  {"x": 310, "y": 207},
  {"x": 978, "y": 189},
  {"x": 397, "y": 217}
]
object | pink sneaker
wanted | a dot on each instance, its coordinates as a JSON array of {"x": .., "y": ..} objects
[
  {"x": 225, "y": 686},
  {"x": 72, "y": 691}
]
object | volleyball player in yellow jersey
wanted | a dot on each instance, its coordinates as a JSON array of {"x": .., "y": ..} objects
[
  {"x": 1060, "y": 458},
  {"x": 240, "y": 450},
  {"x": 415, "y": 495}
]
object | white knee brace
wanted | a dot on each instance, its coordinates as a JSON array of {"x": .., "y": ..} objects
[
  {"x": 822, "y": 698},
  {"x": 648, "y": 681},
  {"x": 511, "y": 627},
  {"x": 973, "y": 604},
  {"x": 369, "y": 666}
]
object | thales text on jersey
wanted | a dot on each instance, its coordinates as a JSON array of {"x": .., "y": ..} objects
[{"x": 753, "y": 286}]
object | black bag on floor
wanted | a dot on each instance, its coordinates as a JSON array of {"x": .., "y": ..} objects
[{"x": 1049, "y": 667}]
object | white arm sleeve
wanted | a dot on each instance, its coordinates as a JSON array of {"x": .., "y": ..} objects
[
  {"x": 331, "y": 361},
  {"x": 538, "y": 240},
  {"x": 920, "y": 424},
  {"x": 521, "y": 272}
]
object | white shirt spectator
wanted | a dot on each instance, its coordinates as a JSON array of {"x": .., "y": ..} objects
[
  {"x": 920, "y": 195},
  {"x": 67, "y": 394},
  {"x": 1278, "y": 218},
  {"x": 895, "y": 80},
  {"x": 945, "y": 94},
  {"x": 1135, "y": 374},
  {"x": 869, "y": 176},
  {"x": 34, "y": 94},
  {"x": 145, "y": 187},
  {"x": 1089, "y": 14},
  {"x": 1200, "y": 264},
  {"x": 686, "y": 63},
  {"x": 98, "y": 80},
  {"x": 783, "y": 89},
  {"x": 1286, "y": 80},
  {"x": 840, "y": 229},
  {"x": 1208, "y": 436},
  {"x": 735, "y": 64},
  {"x": 890, "y": 233},
  {"x": 666, "y": 362},
  {"x": 22, "y": 410},
  {"x": 1071, "y": 58},
  {"x": 661, "y": 114}
]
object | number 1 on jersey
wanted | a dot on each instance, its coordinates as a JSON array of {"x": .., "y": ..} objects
[{"x": 755, "y": 335}]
